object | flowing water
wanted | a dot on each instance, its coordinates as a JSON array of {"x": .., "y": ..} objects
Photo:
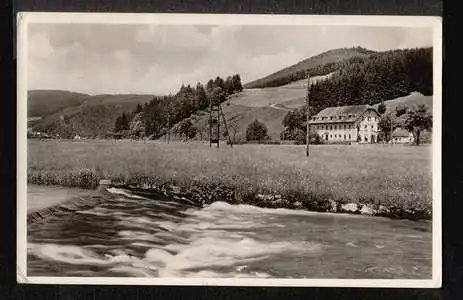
[{"x": 134, "y": 234}]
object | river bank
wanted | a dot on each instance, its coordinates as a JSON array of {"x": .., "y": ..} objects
[
  {"x": 205, "y": 194},
  {"x": 375, "y": 180}
]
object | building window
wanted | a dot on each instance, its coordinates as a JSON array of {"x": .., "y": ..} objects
[
  {"x": 331, "y": 127},
  {"x": 331, "y": 136},
  {"x": 349, "y": 137},
  {"x": 335, "y": 136},
  {"x": 365, "y": 126},
  {"x": 365, "y": 138},
  {"x": 344, "y": 137},
  {"x": 371, "y": 126},
  {"x": 369, "y": 119},
  {"x": 339, "y": 117}
]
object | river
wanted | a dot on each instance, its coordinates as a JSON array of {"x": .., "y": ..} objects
[{"x": 133, "y": 234}]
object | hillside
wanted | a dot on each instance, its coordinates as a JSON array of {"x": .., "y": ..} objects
[
  {"x": 338, "y": 77},
  {"x": 46, "y": 102},
  {"x": 270, "y": 106},
  {"x": 403, "y": 76},
  {"x": 238, "y": 118},
  {"x": 85, "y": 114},
  {"x": 317, "y": 65},
  {"x": 411, "y": 100},
  {"x": 383, "y": 75},
  {"x": 42, "y": 103},
  {"x": 289, "y": 95}
]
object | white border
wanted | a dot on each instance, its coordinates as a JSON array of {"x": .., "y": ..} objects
[{"x": 24, "y": 18}]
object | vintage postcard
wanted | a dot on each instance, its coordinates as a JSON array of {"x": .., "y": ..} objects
[{"x": 249, "y": 150}]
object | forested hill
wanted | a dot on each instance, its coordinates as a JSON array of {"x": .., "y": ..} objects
[
  {"x": 68, "y": 113},
  {"x": 317, "y": 65},
  {"x": 45, "y": 102},
  {"x": 375, "y": 78}
]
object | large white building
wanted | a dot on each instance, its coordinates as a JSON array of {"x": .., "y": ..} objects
[{"x": 357, "y": 123}]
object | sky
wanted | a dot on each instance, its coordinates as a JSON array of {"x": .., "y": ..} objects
[{"x": 158, "y": 59}]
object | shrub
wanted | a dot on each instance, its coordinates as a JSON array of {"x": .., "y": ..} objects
[
  {"x": 299, "y": 137},
  {"x": 256, "y": 131},
  {"x": 316, "y": 139}
]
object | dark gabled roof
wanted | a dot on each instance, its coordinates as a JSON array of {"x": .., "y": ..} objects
[{"x": 347, "y": 114}]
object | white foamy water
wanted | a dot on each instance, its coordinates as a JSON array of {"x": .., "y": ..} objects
[{"x": 136, "y": 236}]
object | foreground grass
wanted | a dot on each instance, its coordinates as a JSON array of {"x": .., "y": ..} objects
[{"x": 397, "y": 177}]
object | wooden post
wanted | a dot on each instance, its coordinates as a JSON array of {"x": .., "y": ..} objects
[{"x": 307, "y": 114}]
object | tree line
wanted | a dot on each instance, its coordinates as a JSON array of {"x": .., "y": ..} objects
[
  {"x": 367, "y": 79},
  {"x": 319, "y": 70},
  {"x": 295, "y": 123},
  {"x": 318, "y": 65},
  {"x": 375, "y": 78},
  {"x": 158, "y": 116}
]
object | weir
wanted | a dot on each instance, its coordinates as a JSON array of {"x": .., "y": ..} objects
[{"x": 72, "y": 204}]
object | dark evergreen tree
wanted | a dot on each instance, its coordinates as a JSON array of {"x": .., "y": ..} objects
[
  {"x": 236, "y": 83},
  {"x": 138, "y": 109}
]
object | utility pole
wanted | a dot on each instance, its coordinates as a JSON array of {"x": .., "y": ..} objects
[
  {"x": 168, "y": 126},
  {"x": 392, "y": 125},
  {"x": 307, "y": 114},
  {"x": 210, "y": 122},
  {"x": 218, "y": 126}
]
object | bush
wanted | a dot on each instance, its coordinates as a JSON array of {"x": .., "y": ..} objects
[
  {"x": 299, "y": 137},
  {"x": 316, "y": 139},
  {"x": 256, "y": 131}
]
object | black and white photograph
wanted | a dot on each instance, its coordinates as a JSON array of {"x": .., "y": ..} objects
[{"x": 229, "y": 149}]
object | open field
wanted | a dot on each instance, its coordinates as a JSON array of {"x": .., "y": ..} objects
[
  {"x": 395, "y": 176},
  {"x": 293, "y": 94}
]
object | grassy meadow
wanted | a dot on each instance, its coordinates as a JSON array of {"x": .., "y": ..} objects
[{"x": 393, "y": 176}]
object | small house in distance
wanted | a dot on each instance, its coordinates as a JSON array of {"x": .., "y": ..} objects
[
  {"x": 402, "y": 136},
  {"x": 343, "y": 124}
]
